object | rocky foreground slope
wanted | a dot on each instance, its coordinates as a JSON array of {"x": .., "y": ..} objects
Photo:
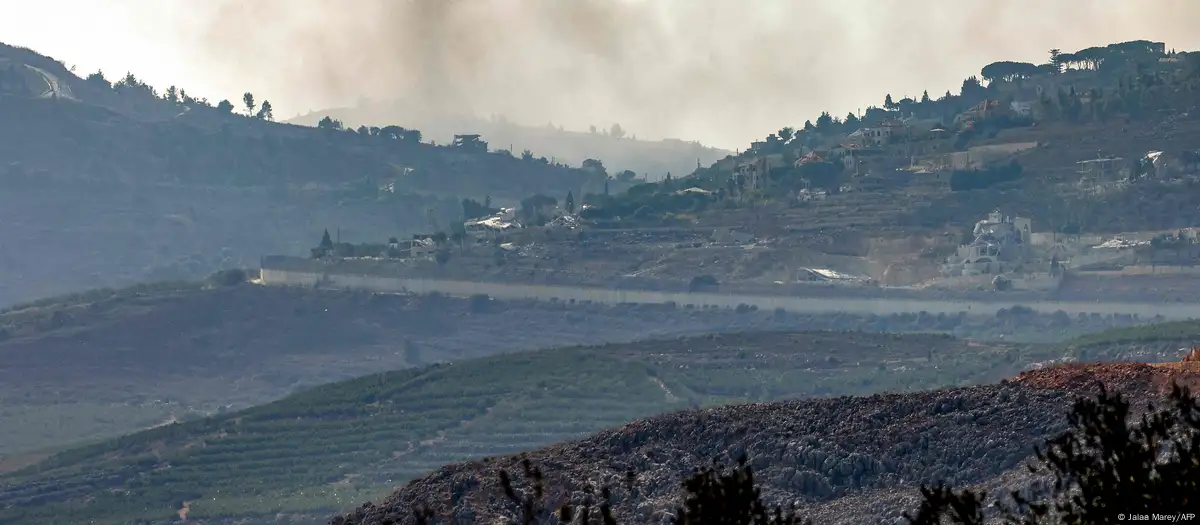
[{"x": 844, "y": 460}]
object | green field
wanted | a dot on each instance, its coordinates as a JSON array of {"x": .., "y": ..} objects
[
  {"x": 329, "y": 448},
  {"x": 1175, "y": 331},
  {"x": 332, "y": 447},
  {"x": 104, "y": 363}
]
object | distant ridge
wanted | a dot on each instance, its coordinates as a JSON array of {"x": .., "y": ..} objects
[{"x": 619, "y": 152}]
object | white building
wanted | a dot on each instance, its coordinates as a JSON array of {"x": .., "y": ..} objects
[{"x": 999, "y": 241}]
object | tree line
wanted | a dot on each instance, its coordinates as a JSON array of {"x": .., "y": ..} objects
[
  {"x": 131, "y": 84},
  {"x": 1140, "y": 56}
]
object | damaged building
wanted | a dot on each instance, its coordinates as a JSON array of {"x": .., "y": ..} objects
[{"x": 999, "y": 243}]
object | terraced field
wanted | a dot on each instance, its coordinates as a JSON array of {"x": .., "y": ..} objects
[
  {"x": 95, "y": 365},
  {"x": 329, "y": 448}
]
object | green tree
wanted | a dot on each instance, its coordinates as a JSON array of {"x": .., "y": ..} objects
[
  {"x": 470, "y": 142},
  {"x": 97, "y": 79},
  {"x": 594, "y": 166},
  {"x": 265, "y": 112},
  {"x": 925, "y": 97},
  {"x": 824, "y": 122},
  {"x": 888, "y": 103},
  {"x": 330, "y": 124},
  {"x": 248, "y": 102},
  {"x": 171, "y": 95},
  {"x": 1056, "y": 56},
  {"x": 458, "y": 235},
  {"x": 786, "y": 133},
  {"x": 1102, "y": 467},
  {"x": 971, "y": 88},
  {"x": 1008, "y": 71},
  {"x": 225, "y": 106},
  {"x": 472, "y": 209},
  {"x": 570, "y": 202}
]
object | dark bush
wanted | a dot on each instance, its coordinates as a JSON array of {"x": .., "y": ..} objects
[
  {"x": 231, "y": 277},
  {"x": 980, "y": 179},
  {"x": 479, "y": 303},
  {"x": 703, "y": 282}
]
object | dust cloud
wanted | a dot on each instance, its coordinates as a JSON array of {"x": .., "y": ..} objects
[{"x": 720, "y": 71}]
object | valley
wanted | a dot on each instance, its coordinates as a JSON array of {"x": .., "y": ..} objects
[
  {"x": 362, "y": 436},
  {"x": 213, "y": 317},
  {"x": 102, "y": 363}
]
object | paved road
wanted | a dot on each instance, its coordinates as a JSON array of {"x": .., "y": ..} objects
[
  {"x": 812, "y": 305},
  {"x": 54, "y": 88}
]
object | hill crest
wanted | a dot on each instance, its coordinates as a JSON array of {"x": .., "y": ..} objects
[{"x": 805, "y": 452}]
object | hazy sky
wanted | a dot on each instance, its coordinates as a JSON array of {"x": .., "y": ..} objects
[{"x": 720, "y": 71}]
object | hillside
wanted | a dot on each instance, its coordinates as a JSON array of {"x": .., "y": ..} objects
[
  {"x": 897, "y": 185},
  {"x": 844, "y": 460},
  {"x": 1090, "y": 152},
  {"x": 619, "y": 152},
  {"x": 362, "y": 436},
  {"x": 328, "y": 448},
  {"x": 173, "y": 137},
  {"x": 272, "y": 325},
  {"x": 112, "y": 183},
  {"x": 107, "y": 362}
]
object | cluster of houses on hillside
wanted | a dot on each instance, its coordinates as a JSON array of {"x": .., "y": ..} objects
[
  {"x": 914, "y": 149},
  {"x": 920, "y": 145}
]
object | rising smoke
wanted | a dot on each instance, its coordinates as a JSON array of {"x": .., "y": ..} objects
[{"x": 719, "y": 71}]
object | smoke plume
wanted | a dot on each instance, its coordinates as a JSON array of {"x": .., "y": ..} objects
[{"x": 720, "y": 71}]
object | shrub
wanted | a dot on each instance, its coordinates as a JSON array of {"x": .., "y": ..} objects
[
  {"x": 702, "y": 282},
  {"x": 479, "y": 303},
  {"x": 980, "y": 179},
  {"x": 1101, "y": 468},
  {"x": 713, "y": 495},
  {"x": 231, "y": 277}
]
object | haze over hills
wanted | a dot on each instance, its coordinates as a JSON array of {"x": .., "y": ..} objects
[
  {"x": 1044, "y": 199},
  {"x": 153, "y": 184},
  {"x": 617, "y": 148},
  {"x": 717, "y": 71}
]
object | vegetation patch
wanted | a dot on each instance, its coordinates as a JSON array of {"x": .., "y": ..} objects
[{"x": 369, "y": 433}]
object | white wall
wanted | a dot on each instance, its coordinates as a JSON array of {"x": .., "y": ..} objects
[{"x": 812, "y": 305}]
